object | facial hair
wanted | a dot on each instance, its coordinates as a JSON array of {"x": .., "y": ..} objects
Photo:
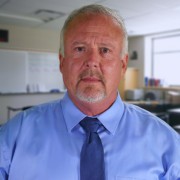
[{"x": 91, "y": 93}]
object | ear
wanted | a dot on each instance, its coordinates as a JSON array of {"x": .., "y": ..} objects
[
  {"x": 61, "y": 62},
  {"x": 124, "y": 61}
]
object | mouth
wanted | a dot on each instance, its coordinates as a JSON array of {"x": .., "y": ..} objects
[{"x": 90, "y": 79}]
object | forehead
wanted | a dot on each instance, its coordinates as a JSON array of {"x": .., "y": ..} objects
[
  {"x": 91, "y": 17},
  {"x": 93, "y": 23}
]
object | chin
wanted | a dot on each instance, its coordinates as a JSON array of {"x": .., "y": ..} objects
[{"x": 91, "y": 98}]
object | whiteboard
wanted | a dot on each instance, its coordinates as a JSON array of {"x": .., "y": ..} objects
[
  {"x": 23, "y": 71},
  {"x": 13, "y": 67}
]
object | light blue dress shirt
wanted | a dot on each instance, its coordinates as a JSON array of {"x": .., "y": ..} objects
[{"x": 44, "y": 143}]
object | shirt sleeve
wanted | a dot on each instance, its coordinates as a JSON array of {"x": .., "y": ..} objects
[
  {"x": 8, "y": 137},
  {"x": 172, "y": 159}
]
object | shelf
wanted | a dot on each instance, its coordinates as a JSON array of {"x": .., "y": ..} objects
[{"x": 163, "y": 88}]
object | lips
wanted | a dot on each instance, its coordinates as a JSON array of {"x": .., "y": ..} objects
[
  {"x": 90, "y": 79},
  {"x": 90, "y": 76}
]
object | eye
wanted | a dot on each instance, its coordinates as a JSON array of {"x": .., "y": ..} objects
[
  {"x": 104, "y": 50},
  {"x": 79, "y": 49}
]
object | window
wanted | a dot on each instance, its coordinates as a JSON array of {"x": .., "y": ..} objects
[{"x": 166, "y": 60}]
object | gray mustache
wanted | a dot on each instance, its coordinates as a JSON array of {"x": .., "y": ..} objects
[{"x": 90, "y": 73}]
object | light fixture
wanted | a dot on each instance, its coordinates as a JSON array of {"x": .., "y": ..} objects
[{"x": 48, "y": 15}]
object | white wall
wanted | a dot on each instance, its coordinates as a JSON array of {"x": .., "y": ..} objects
[
  {"x": 27, "y": 39},
  {"x": 137, "y": 44},
  {"x": 33, "y": 39}
]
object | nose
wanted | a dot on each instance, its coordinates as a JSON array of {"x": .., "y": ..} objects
[{"x": 92, "y": 59}]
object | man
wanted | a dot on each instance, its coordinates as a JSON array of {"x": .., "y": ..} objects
[{"x": 47, "y": 141}]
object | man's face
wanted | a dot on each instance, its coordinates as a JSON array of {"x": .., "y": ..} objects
[{"x": 92, "y": 65}]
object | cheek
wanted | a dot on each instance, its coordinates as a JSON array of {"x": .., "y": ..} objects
[
  {"x": 71, "y": 71},
  {"x": 112, "y": 74},
  {"x": 113, "y": 69}
]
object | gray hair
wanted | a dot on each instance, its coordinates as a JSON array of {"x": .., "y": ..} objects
[{"x": 96, "y": 9}]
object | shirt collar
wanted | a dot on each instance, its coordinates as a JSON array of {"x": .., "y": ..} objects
[
  {"x": 110, "y": 118},
  {"x": 72, "y": 114}
]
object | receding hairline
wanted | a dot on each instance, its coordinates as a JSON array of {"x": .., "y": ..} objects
[
  {"x": 94, "y": 9},
  {"x": 80, "y": 19}
]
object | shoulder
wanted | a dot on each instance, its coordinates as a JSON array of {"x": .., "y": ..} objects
[
  {"x": 155, "y": 137},
  {"x": 43, "y": 108},
  {"x": 35, "y": 118},
  {"x": 131, "y": 108},
  {"x": 139, "y": 114},
  {"x": 32, "y": 116},
  {"x": 149, "y": 122}
]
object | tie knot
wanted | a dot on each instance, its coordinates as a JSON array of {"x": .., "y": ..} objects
[{"x": 90, "y": 124}]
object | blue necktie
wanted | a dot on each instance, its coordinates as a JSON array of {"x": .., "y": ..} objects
[{"x": 92, "y": 154}]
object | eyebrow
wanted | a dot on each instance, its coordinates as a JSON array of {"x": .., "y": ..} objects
[
  {"x": 107, "y": 44},
  {"x": 77, "y": 43},
  {"x": 85, "y": 43}
]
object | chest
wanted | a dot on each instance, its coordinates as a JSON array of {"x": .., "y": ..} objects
[{"x": 57, "y": 156}]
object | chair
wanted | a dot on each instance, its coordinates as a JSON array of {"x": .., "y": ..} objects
[{"x": 174, "y": 118}]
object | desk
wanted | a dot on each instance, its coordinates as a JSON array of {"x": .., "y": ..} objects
[
  {"x": 155, "y": 106},
  {"x": 152, "y": 106},
  {"x": 160, "y": 109}
]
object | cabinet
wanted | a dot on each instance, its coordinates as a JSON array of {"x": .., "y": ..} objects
[{"x": 130, "y": 81}]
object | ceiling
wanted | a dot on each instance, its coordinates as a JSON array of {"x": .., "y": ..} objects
[{"x": 141, "y": 16}]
